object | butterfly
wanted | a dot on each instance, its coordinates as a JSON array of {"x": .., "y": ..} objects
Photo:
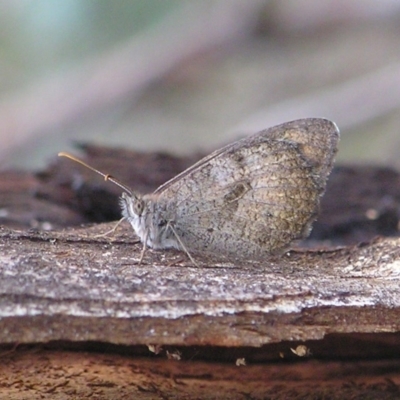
[{"x": 245, "y": 201}]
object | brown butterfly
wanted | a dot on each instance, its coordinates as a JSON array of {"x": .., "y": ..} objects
[{"x": 245, "y": 201}]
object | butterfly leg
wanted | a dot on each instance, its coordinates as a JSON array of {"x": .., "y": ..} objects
[
  {"x": 181, "y": 243},
  {"x": 111, "y": 230}
]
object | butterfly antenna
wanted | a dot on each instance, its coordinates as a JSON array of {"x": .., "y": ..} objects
[{"x": 107, "y": 177}]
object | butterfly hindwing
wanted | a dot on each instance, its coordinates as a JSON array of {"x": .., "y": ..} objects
[{"x": 255, "y": 196}]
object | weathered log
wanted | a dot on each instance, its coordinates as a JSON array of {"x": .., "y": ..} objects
[
  {"x": 69, "y": 285},
  {"x": 68, "y": 290}
]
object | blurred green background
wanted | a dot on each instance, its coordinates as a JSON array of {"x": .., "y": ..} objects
[{"x": 189, "y": 76}]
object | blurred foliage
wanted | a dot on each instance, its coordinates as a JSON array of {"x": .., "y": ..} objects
[
  {"x": 38, "y": 38},
  {"x": 187, "y": 76}
]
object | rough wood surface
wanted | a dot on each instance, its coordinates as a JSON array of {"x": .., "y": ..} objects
[
  {"x": 71, "y": 286},
  {"x": 66, "y": 292},
  {"x": 43, "y": 374}
]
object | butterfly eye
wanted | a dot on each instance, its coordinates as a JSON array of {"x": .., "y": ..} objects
[{"x": 138, "y": 207}]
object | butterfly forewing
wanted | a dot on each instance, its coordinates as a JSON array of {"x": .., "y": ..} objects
[{"x": 254, "y": 196}]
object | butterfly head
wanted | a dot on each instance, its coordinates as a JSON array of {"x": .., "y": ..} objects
[
  {"x": 132, "y": 206},
  {"x": 134, "y": 210}
]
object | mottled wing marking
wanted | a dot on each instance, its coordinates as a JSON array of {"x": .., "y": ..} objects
[{"x": 254, "y": 196}]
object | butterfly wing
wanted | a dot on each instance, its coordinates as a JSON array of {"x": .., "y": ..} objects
[{"x": 255, "y": 196}]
